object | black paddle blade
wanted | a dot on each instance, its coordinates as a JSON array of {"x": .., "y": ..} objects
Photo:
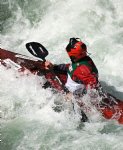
[{"x": 37, "y": 49}]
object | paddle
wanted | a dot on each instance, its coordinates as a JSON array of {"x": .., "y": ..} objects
[{"x": 37, "y": 50}]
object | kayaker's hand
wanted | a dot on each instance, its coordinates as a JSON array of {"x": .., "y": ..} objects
[{"x": 48, "y": 65}]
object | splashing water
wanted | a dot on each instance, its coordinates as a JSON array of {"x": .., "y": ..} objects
[{"x": 28, "y": 120}]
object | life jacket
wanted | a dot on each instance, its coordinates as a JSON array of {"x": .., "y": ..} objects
[
  {"x": 85, "y": 62},
  {"x": 73, "y": 67}
]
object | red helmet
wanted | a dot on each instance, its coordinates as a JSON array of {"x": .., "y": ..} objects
[{"x": 76, "y": 49}]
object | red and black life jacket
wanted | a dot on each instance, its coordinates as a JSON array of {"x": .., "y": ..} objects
[{"x": 84, "y": 62}]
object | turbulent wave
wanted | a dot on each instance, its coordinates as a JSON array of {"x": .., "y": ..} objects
[{"x": 27, "y": 116}]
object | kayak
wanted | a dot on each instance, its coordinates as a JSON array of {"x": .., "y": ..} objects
[
  {"x": 25, "y": 65},
  {"x": 110, "y": 107}
]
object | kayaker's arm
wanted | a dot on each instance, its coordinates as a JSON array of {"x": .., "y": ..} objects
[{"x": 61, "y": 68}]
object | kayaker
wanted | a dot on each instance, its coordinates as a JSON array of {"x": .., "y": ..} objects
[{"x": 82, "y": 72}]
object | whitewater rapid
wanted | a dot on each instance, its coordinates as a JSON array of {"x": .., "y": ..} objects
[{"x": 27, "y": 116}]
